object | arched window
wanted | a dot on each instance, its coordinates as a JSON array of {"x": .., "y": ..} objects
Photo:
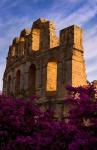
[
  {"x": 51, "y": 76},
  {"x": 17, "y": 83},
  {"x": 9, "y": 85},
  {"x": 32, "y": 79},
  {"x": 13, "y": 52},
  {"x": 35, "y": 45},
  {"x": 21, "y": 46}
]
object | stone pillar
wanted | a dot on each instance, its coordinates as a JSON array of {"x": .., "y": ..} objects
[
  {"x": 60, "y": 82},
  {"x": 25, "y": 40},
  {"x": 43, "y": 90},
  {"x": 22, "y": 77},
  {"x": 5, "y": 84},
  {"x": 26, "y": 75},
  {"x": 38, "y": 78},
  {"x": 71, "y": 44},
  {"x": 12, "y": 82},
  {"x": 15, "y": 44},
  {"x": 48, "y": 38}
]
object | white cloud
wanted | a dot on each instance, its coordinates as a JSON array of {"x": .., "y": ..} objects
[
  {"x": 8, "y": 4},
  {"x": 90, "y": 42},
  {"x": 81, "y": 17}
]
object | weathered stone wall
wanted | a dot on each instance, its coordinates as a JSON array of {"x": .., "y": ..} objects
[
  {"x": 57, "y": 62},
  {"x": 71, "y": 43}
]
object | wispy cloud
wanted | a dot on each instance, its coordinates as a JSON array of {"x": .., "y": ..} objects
[
  {"x": 8, "y": 4},
  {"x": 82, "y": 17}
]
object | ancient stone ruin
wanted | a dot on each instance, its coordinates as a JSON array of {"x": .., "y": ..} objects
[{"x": 39, "y": 63}]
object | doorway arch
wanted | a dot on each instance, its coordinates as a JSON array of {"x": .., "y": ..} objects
[{"x": 32, "y": 79}]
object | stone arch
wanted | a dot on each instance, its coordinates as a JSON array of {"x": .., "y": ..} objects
[
  {"x": 52, "y": 67},
  {"x": 9, "y": 85},
  {"x": 17, "y": 82},
  {"x": 32, "y": 79}
]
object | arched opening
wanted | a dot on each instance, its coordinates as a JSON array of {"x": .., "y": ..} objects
[
  {"x": 32, "y": 79},
  {"x": 36, "y": 39},
  {"x": 21, "y": 46},
  {"x": 13, "y": 52},
  {"x": 9, "y": 85},
  {"x": 17, "y": 83},
  {"x": 51, "y": 76}
]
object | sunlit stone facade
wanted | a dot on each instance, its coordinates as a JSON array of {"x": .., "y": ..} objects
[{"x": 39, "y": 63}]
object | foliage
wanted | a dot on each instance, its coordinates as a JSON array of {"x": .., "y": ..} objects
[
  {"x": 24, "y": 126},
  {"x": 83, "y": 117}
]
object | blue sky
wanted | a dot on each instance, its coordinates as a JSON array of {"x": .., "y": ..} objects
[{"x": 19, "y": 14}]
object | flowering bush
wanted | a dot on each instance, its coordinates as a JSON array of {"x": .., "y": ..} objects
[
  {"x": 23, "y": 126},
  {"x": 83, "y": 117}
]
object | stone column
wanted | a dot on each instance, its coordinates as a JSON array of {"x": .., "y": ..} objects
[
  {"x": 5, "y": 85},
  {"x": 60, "y": 80},
  {"x": 22, "y": 78},
  {"x": 44, "y": 81},
  {"x": 26, "y": 75},
  {"x": 72, "y": 45},
  {"x": 38, "y": 78},
  {"x": 12, "y": 82}
]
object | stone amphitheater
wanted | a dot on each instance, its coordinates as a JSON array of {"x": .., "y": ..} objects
[{"x": 39, "y": 63}]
